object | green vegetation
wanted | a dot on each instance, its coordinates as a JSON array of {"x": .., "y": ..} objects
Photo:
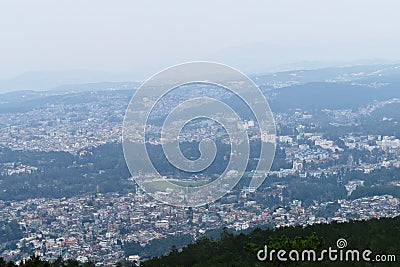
[
  {"x": 340, "y": 95},
  {"x": 381, "y": 236},
  {"x": 61, "y": 174},
  {"x": 158, "y": 247},
  {"x": 240, "y": 249},
  {"x": 10, "y": 233}
]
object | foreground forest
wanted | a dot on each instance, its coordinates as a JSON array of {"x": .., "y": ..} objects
[{"x": 381, "y": 236}]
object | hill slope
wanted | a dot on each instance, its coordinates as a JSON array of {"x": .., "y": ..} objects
[{"x": 381, "y": 236}]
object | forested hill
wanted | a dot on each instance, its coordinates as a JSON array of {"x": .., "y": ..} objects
[{"x": 381, "y": 236}]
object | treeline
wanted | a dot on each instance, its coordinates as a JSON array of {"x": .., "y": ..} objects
[
  {"x": 157, "y": 247},
  {"x": 328, "y": 188},
  {"x": 381, "y": 236},
  {"x": 10, "y": 233},
  {"x": 316, "y": 96},
  {"x": 61, "y": 174}
]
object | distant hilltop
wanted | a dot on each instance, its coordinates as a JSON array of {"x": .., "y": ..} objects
[
  {"x": 300, "y": 72},
  {"x": 59, "y": 80}
]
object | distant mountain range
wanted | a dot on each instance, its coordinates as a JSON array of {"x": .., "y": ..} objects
[
  {"x": 328, "y": 88},
  {"x": 269, "y": 57},
  {"x": 331, "y": 88},
  {"x": 48, "y": 80},
  {"x": 253, "y": 63}
]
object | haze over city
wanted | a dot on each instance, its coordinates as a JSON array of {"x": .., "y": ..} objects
[
  {"x": 46, "y": 44},
  {"x": 278, "y": 133}
]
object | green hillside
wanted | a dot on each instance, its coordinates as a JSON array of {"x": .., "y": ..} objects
[{"x": 381, "y": 236}]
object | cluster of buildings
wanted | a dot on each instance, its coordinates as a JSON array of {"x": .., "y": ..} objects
[
  {"x": 65, "y": 126},
  {"x": 327, "y": 157},
  {"x": 358, "y": 209},
  {"x": 11, "y": 168},
  {"x": 96, "y": 227}
]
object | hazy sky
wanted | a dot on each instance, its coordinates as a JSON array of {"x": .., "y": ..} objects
[{"x": 139, "y": 37}]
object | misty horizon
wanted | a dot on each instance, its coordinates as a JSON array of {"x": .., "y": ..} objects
[{"x": 132, "y": 41}]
